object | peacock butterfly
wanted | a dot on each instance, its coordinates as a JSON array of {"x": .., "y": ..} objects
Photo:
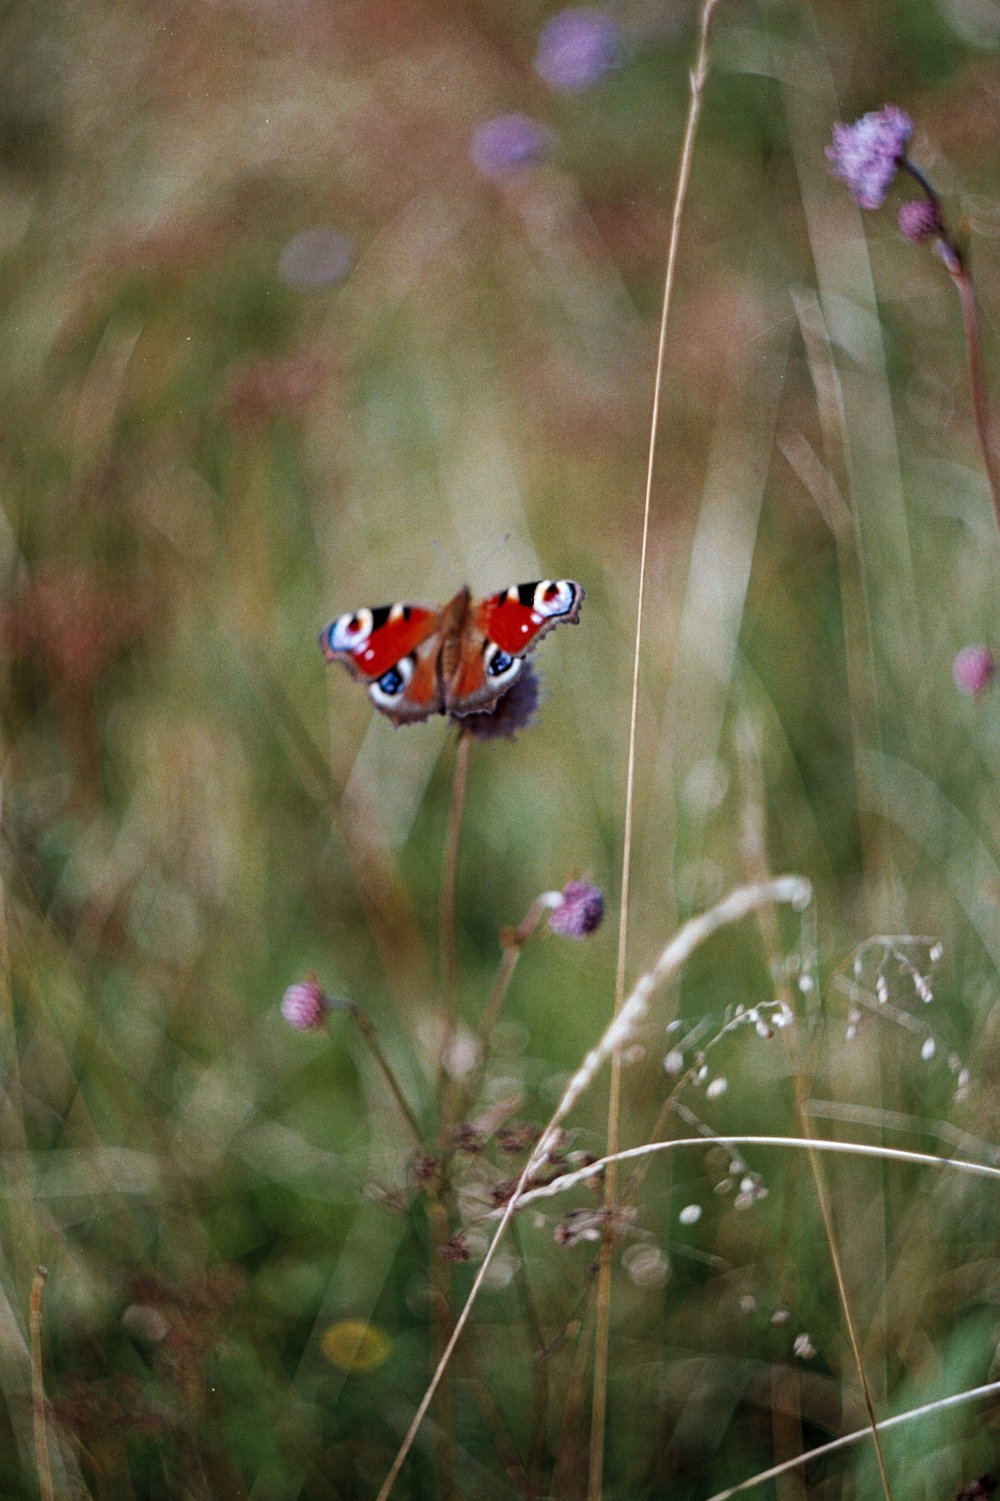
[{"x": 460, "y": 659}]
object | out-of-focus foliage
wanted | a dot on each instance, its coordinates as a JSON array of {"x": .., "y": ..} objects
[{"x": 277, "y": 343}]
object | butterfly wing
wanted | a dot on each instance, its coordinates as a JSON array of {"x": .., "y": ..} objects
[
  {"x": 394, "y": 650},
  {"x": 486, "y": 657}
]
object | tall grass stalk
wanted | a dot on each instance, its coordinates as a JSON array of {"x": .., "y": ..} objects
[
  {"x": 699, "y": 76},
  {"x": 736, "y": 906}
]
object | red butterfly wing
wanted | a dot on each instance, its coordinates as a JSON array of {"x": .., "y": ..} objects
[
  {"x": 495, "y": 637},
  {"x": 394, "y": 649},
  {"x": 519, "y": 617}
]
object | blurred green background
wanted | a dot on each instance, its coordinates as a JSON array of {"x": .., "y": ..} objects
[{"x": 216, "y": 438}]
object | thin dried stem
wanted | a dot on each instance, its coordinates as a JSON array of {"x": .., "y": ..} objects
[
  {"x": 826, "y": 1210},
  {"x": 366, "y": 1028},
  {"x": 38, "y": 1389},
  {"x": 579, "y": 1175},
  {"x": 512, "y": 941},
  {"x": 857, "y": 1436},
  {"x": 449, "y": 884},
  {"x": 440, "y": 1271},
  {"x": 699, "y": 75}
]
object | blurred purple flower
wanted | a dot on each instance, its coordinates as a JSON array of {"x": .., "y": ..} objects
[
  {"x": 577, "y": 48},
  {"x": 304, "y": 1006},
  {"x": 867, "y": 154},
  {"x": 513, "y": 712},
  {"x": 919, "y": 219},
  {"x": 315, "y": 259},
  {"x": 974, "y": 669},
  {"x": 507, "y": 143},
  {"x": 580, "y": 911}
]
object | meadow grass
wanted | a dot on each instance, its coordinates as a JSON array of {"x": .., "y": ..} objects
[{"x": 260, "y": 1242}]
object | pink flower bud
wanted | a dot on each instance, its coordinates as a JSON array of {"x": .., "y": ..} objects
[{"x": 304, "y": 1006}]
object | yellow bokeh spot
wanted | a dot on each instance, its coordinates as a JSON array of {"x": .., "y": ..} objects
[{"x": 353, "y": 1345}]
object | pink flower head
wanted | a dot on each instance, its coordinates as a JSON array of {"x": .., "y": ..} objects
[
  {"x": 973, "y": 670},
  {"x": 919, "y": 219},
  {"x": 577, "y": 48},
  {"x": 508, "y": 143},
  {"x": 304, "y": 1006},
  {"x": 867, "y": 154},
  {"x": 580, "y": 910}
]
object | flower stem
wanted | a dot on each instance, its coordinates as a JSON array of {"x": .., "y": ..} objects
[
  {"x": 977, "y": 380},
  {"x": 954, "y": 260},
  {"x": 366, "y": 1028},
  {"x": 512, "y": 941},
  {"x": 449, "y": 884},
  {"x": 907, "y": 166}
]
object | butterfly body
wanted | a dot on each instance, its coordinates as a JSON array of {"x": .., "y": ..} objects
[{"x": 459, "y": 659}]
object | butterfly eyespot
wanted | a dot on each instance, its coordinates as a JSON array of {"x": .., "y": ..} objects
[
  {"x": 392, "y": 684},
  {"x": 348, "y": 631},
  {"x": 555, "y": 597},
  {"x": 500, "y": 665}
]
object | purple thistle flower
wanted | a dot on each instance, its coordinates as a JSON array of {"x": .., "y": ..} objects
[
  {"x": 973, "y": 670},
  {"x": 508, "y": 143},
  {"x": 315, "y": 259},
  {"x": 919, "y": 219},
  {"x": 577, "y": 48},
  {"x": 867, "y": 154},
  {"x": 580, "y": 911},
  {"x": 304, "y": 1006},
  {"x": 514, "y": 712}
]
